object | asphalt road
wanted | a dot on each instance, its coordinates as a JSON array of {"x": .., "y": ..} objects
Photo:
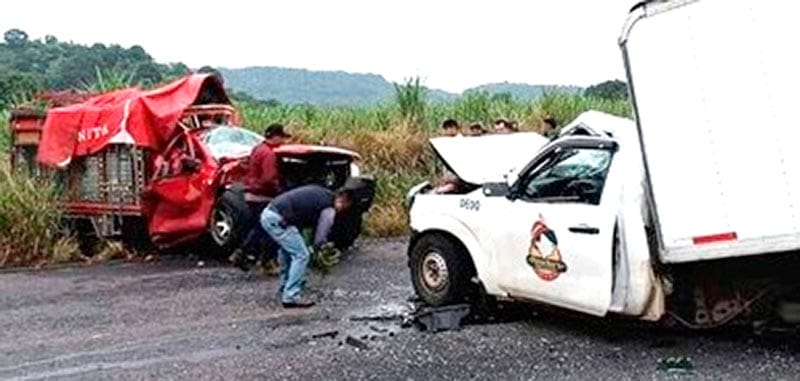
[{"x": 174, "y": 319}]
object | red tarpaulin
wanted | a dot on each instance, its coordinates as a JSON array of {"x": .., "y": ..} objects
[{"x": 146, "y": 118}]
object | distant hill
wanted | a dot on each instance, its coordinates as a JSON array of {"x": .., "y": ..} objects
[
  {"x": 306, "y": 86},
  {"x": 296, "y": 86},
  {"x": 523, "y": 90}
]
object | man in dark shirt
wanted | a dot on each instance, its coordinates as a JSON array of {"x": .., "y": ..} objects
[{"x": 308, "y": 206}]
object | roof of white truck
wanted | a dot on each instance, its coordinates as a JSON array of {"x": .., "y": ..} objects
[{"x": 602, "y": 123}]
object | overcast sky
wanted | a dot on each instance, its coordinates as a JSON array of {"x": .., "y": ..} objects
[{"x": 452, "y": 45}]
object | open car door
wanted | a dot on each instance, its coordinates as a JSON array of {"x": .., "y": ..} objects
[{"x": 181, "y": 195}]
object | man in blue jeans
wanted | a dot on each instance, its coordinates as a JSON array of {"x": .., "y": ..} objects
[{"x": 309, "y": 206}]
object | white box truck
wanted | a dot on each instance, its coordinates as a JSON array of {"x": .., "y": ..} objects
[{"x": 687, "y": 213}]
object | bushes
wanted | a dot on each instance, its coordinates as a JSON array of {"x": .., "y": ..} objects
[{"x": 29, "y": 223}]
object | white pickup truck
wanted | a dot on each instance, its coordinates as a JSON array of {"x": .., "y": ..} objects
[{"x": 689, "y": 213}]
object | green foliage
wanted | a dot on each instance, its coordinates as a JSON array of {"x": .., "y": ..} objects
[
  {"x": 410, "y": 99},
  {"x": 16, "y": 87},
  {"x": 399, "y": 158},
  {"x": 28, "y": 66},
  {"x": 15, "y": 37},
  {"x": 613, "y": 90},
  {"x": 110, "y": 79},
  {"x": 30, "y": 230},
  {"x": 377, "y": 127},
  {"x": 5, "y": 135}
]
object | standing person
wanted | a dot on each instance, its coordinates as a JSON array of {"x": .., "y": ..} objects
[
  {"x": 476, "y": 129},
  {"x": 308, "y": 206},
  {"x": 451, "y": 128},
  {"x": 549, "y": 126},
  {"x": 262, "y": 176},
  {"x": 262, "y": 182},
  {"x": 502, "y": 126},
  {"x": 446, "y": 181}
]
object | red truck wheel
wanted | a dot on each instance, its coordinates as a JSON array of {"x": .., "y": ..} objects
[{"x": 228, "y": 223}]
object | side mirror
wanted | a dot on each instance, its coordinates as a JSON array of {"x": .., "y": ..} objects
[{"x": 496, "y": 190}]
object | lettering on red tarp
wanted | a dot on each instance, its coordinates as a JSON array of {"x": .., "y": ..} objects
[{"x": 92, "y": 133}]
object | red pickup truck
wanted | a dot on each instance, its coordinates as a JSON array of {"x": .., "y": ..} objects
[{"x": 164, "y": 165}]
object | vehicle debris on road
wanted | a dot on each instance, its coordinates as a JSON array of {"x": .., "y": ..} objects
[
  {"x": 328, "y": 334},
  {"x": 357, "y": 343},
  {"x": 676, "y": 365},
  {"x": 438, "y": 319}
]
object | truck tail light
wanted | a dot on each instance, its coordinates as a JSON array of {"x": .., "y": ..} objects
[{"x": 705, "y": 239}]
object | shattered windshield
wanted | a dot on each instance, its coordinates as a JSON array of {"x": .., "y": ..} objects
[{"x": 232, "y": 142}]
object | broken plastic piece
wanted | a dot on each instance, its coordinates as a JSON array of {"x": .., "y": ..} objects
[
  {"x": 676, "y": 364},
  {"x": 330, "y": 334},
  {"x": 442, "y": 318},
  {"x": 352, "y": 341}
]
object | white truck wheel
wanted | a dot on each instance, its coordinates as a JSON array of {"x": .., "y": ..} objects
[{"x": 440, "y": 270}]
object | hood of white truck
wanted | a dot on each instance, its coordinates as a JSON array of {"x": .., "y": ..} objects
[{"x": 487, "y": 159}]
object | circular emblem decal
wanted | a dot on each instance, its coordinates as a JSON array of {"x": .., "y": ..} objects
[{"x": 543, "y": 255}]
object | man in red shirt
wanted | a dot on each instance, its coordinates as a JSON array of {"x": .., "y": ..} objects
[
  {"x": 262, "y": 183},
  {"x": 262, "y": 177}
]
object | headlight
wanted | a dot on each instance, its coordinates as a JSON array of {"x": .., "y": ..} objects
[{"x": 355, "y": 171}]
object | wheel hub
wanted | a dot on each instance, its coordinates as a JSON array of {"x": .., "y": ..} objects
[
  {"x": 434, "y": 271},
  {"x": 221, "y": 227}
]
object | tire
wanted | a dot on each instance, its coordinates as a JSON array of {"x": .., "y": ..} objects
[
  {"x": 441, "y": 270},
  {"x": 346, "y": 230},
  {"x": 229, "y": 223}
]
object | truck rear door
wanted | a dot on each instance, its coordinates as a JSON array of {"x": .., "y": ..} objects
[{"x": 714, "y": 86}]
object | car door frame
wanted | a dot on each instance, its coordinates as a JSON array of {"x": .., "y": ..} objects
[{"x": 552, "y": 291}]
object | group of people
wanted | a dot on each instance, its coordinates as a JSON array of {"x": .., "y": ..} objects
[
  {"x": 451, "y": 128},
  {"x": 286, "y": 215}
]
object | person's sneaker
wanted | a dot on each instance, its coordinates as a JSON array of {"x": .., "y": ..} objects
[{"x": 299, "y": 303}]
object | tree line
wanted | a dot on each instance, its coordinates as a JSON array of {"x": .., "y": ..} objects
[{"x": 28, "y": 66}]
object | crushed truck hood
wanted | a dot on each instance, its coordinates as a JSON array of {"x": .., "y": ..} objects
[{"x": 486, "y": 159}]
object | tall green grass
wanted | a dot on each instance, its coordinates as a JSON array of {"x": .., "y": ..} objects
[
  {"x": 30, "y": 223},
  {"x": 392, "y": 138},
  {"x": 472, "y": 107},
  {"x": 5, "y": 134}
]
